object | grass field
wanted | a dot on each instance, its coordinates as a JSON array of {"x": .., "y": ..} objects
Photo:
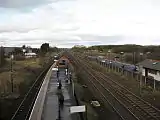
[
  {"x": 24, "y": 73},
  {"x": 25, "y": 70}
]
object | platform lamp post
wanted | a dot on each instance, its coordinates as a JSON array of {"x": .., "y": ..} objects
[
  {"x": 109, "y": 51},
  {"x": 121, "y": 53},
  {"x": 141, "y": 54},
  {"x": 109, "y": 57},
  {"x": 141, "y": 76},
  {"x": 11, "y": 70}
]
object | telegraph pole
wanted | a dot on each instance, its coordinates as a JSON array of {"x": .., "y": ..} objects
[
  {"x": 140, "y": 83},
  {"x": 11, "y": 70},
  {"x": 109, "y": 57},
  {"x": 122, "y": 69},
  {"x": 121, "y": 53},
  {"x": 141, "y": 56},
  {"x": 134, "y": 58}
]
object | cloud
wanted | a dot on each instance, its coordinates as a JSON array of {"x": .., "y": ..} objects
[
  {"x": 36, "y": 38},
  {"x": 20, "y": 3},
  {"x": 88, "y": 22},
  {"x": 15, "y": 29}
]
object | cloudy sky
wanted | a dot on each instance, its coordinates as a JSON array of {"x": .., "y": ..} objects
[{"x": 65, "y": 23}]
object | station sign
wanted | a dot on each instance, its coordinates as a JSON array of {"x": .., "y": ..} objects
[
  {"x": 75, "y": 109},
  {"x": 55, "y": 69}
]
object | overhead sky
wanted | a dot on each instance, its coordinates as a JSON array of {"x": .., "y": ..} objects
[{"x": 65, "y": 23}]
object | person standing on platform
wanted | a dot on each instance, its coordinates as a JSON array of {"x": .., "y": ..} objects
[
  {"x": 61, "y": 100},
  {"x": 66, "y": 72},
  {"x": 59, "y": 85},
  {"x": 70, "y": 77},
  {"x": 58, "y": 73}
]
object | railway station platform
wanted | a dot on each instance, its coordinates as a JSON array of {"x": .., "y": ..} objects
[{"x": 46, "y": 106}]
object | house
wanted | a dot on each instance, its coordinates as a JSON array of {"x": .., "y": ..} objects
[
  {"x": 30, "y": 55},
  {"x": 150, "y": 68},
  {"x": 28, "y": 50}
]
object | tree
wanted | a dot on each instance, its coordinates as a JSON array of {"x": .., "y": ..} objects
[
  {"x": 100, "y": 48},
  {"x": 79, "y": 48},
  {"x": 154, "y": 55},
  {"x": 53, "y": 49},
  {"x": 18, "y": 51},
  {"x": 23, "y": 47},
  {"x": 44, "y": 47},
  {"x": 35, "y": 50}
]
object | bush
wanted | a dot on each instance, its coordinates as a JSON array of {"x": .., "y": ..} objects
[
  {"x": 147, "y": 88},
  {"x": 19, "y": 57}
]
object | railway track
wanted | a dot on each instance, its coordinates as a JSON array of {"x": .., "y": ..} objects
[
  {"x": 25, "y": 107},
  {"x": 138, "y": 106},
  {"x": 95, "y": 89},
  {"x": 135, "y": 107}
]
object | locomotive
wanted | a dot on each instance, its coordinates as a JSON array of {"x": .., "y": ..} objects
[{"x": 63, "y": 62}]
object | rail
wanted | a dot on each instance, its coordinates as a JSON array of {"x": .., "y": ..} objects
[
  {"x": 139, "y": 108},
  {"x": 25, "y": 107},
  {"x": 99, "y": 91},
  {"x": 37, "y": 110}
]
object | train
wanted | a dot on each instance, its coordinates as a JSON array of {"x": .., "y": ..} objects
[
  {"x": 63, "y": 62},
  {"x": 124, "y": 66}
]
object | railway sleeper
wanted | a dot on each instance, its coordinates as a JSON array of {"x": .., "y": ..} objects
[
  {"x": 147, "y": 108},
  {"x": 150, "y": 110},
  {"x": 133, "y": 104},
  {"x": 135, "y": 108},
  {"x": 136, "y": 98},
  {"x": 154, "y": 114}
]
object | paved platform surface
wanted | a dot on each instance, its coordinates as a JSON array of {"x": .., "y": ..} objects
[{"x": 51, "y": 107}]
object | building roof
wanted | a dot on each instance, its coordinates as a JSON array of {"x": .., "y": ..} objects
[
  {"x": 151, "y": 64},
  {"x": 30, "y": 54}
]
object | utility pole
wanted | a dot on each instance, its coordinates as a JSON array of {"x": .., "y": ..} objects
[
  {"x": 11, "y": 70},
  {"x": 141, "y": 54},
  {"x": 121, "y": 53},
  {"x": 140, "y": 83},
  {"x": 134, "y": 58},
  {"x": 109, "y": 51},
  {"x": 122, "y": 69}
]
